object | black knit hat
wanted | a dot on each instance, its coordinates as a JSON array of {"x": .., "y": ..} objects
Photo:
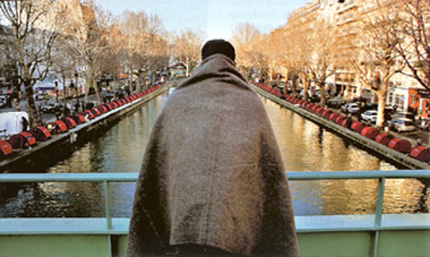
[{"x": 218, "y": 46}]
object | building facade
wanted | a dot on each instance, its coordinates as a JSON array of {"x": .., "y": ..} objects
[{"x": 346, "y": 17}]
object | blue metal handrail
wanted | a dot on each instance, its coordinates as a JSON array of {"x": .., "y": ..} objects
[
  {"x": 132, "y": 177},
  {"x": 107, "y": 178}
]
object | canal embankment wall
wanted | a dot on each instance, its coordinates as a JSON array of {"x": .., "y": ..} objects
[
  {"x": 42, "y": 154},
  {"x": 397, "y": 158}
]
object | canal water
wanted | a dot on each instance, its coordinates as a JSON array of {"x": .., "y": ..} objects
[{"x": 304, "y": 146}]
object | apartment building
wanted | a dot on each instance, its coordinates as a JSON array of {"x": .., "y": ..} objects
[{"x": 345, "y": 16}]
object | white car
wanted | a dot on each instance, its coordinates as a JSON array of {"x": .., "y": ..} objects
[
  {"x": 3, "y": 100},
  {"x": 402, "y": 125},
  {"x": 350, "y": 108},
  {"x": 370, "y": 116}
]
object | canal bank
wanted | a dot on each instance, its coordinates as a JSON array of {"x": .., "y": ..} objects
[
  {"x": 397, "y": 158},
  {"x": 47, "y": 152}
]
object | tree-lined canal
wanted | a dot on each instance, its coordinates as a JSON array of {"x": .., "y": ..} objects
[{"x": 304, "y": 146}]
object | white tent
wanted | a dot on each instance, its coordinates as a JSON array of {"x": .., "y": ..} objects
[{"x": 11, "y": 123}]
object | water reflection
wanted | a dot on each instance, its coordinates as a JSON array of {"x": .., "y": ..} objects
[
  {"x": 308, "y": 147},
  {"x": 304, "y": 147}
]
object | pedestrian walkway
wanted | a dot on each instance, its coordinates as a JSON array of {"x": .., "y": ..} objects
[
  {"x": 46, "y": 117},
  {"x": 414, "y": 137}
]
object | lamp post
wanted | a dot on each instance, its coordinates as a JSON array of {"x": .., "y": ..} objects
[{"x": 76, "y": 82}]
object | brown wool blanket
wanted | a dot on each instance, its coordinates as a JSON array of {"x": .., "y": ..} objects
[{"x": 212, "y": 172}]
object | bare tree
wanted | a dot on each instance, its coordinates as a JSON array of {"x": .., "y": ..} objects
[
  {"x": 245, "y": 38},
  {"x": 186, "y": 49},
  {"x": 299, "y": 51},
  {"x": 112, "y": 62},
  {"x": 30, "y": 41},
  {"x": 322, "y": 61},
  {"x": 88, "y": 37},
  {"x": 63, "y": 63},
  {"x": 376, "y": 60},
  {"x": 277, "y": 53},
  {"x": 414, "y": 39},
  {"x": 153, "y": 53},
  {"x": 155, "y": 57},
  {"x": 282, "y": 55},
  {"x": 134, "y": 28}
]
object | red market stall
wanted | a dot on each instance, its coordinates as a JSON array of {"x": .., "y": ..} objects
[
  {"x": 5, "y": 149},
  {"x": 400, "y": 145},
  {"x": 22, "y": 140},
  {"x": 70, "y": 123},
  {"x": 57, "y": 127},
  {"x": 357, "y": 127},
  {"x": 384, "y": 138},
  {"x": 41, "y": 133},
  {"x": 420, "y": 153},
  {"x": 370, "y": 132}
]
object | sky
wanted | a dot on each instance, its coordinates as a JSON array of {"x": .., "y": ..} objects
[{"x": 217, "y": 18}]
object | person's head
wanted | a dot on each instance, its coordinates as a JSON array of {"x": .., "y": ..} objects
[{"x": 218, "y": 46}]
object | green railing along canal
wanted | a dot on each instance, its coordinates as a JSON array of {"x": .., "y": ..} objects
[{"x": 320, "y": 235}]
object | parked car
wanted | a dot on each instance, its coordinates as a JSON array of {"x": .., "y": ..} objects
[
  {"x": 401, "y": 125},
  {"x": 350, "y": 108},
  {"x": 49, "y": 106},
  {"x": 3, "y": 100},
  {"x": 41, "y": 96},
  {"x": 370, "y": 116},
  {"x": 335, "y": 103},
  {"x": 423, "y": 124},
  {"x": 403, "y": 115}
]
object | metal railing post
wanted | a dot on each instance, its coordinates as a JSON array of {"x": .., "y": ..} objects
[
  {"x": 378, "y": 214},
  {"x": 379, "y": 202},
  {"x": 108, "y": 206}
]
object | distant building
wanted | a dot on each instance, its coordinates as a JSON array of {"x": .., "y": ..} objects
[
  {"x": 177, "y": 70},
  {"x": 404, "y": 91}
]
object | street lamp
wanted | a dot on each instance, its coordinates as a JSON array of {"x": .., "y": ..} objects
[
  {"x": 76, "y": 83},
  {"x": 76, "y": 77}
]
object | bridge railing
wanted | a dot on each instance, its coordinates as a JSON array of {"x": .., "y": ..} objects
[
  {"x": 381, "y": 176},
  {"x": 107, "y": 178}
]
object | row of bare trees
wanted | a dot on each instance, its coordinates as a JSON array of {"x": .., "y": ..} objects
[
  {"x": 67, "y": 37},
  {"x": 390, "y": 38}
]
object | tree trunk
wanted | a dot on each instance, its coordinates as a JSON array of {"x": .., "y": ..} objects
[
  {"x": 31, "y": 106},
  {"x": 138, "y": 83},
  {"x": 270, "y": 74},
  {"x": 145, "y": 74},
  {"x": 66, "y": 94},
  {"x": 96, "y": 87},
  {"x": 130, "y": 80},
  {"x": 187, "y": 65},
  {"x": 382, "y": 97},
  {"x": 87, "y": 87},
  {"x": 305, "y": 88},
  {"x": 294, "y": 85},
  {"x": 341, "y": 92},
  {"x": 323, "y": 99}
]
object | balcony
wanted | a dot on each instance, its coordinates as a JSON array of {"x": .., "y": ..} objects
[{"x": 349, "y": 4}]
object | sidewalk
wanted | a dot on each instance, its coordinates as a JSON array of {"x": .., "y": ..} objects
[
  {"x": 46, "y": 116},
  {"x": 413, "y": 137}
]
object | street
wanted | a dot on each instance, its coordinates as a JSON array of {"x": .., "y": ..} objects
[{"x": 47, "y": 116}]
